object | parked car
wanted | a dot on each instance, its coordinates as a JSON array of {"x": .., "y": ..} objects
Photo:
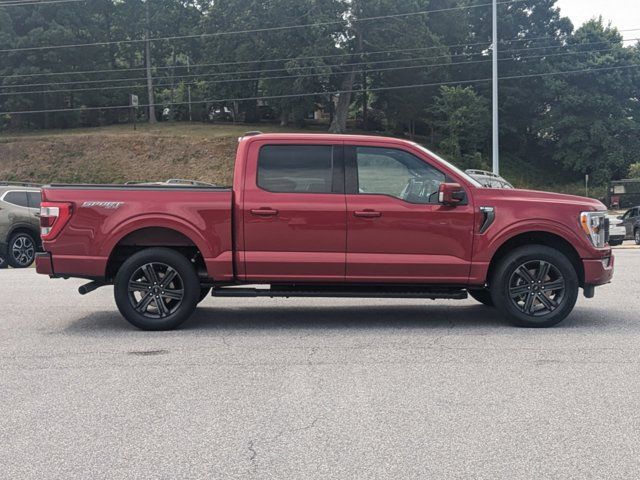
[
  {"x": 328, "y": 216},
  {"x": 19, "y": 223},
  {"x": 488, "y": 179},
  {"x": 631, "y": 220},
  {"x": 617, "y": 231}
]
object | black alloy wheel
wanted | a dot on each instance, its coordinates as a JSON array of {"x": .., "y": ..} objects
[
  {"x": 157, "y": 289},
  {"x": 536, "y": 288}
]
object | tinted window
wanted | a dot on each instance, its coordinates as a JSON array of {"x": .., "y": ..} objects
[
  {"x": 34, "y": 199},
  {"x": 295, "y": 168},
  {"x": 17, "y": 198},
  {"x": 398, "y": 174}
]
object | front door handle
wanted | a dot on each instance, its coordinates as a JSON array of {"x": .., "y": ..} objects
[
  {"x": 264, "y": 212},
  {"x": 367, "y": 213}
]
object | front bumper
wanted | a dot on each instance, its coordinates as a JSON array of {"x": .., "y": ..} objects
[{"x": 598, "y": 271}]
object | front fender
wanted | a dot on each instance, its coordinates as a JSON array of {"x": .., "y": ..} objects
[{"x": 487, "y": 247}]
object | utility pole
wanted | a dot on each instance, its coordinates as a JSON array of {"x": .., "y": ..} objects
[
  {"x": 496, "y": 140},
  {"x": 189, "y": 88},
  {"x": 147, "y": 61}
]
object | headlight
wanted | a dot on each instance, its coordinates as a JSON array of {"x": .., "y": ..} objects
[{"x": 594, "y": 225}]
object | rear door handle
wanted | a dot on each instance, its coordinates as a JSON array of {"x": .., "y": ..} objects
[
  {"x": 367, "y": 213},
  {"x": 264, "y": 212}
]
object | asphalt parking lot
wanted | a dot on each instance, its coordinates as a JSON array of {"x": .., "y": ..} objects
[{"x": 322, "y": 388}]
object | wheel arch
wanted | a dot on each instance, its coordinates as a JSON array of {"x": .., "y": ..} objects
[
  {"x": 538, "y": 237},
  {"x": 145, "y": 237},
  {"x": 24, "y": 228}
]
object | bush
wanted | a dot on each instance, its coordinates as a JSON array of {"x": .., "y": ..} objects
[{"x": 634, "y": 170}]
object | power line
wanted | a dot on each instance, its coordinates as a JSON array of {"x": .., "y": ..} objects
[
  {"x": 257, "y": 30},
  {"x": 283, "y": 77},
  {"x": 285, "y": 59},
  {"x": 241, "y": 72},
  {"x": 315, "y": 94},
  {"x": 299, "y": 68},
  {"x": 43, "y": 2},
  {"x": 245, "y": 62}
]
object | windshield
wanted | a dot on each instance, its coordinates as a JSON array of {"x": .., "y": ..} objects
[{"x": 459, "y": 172}]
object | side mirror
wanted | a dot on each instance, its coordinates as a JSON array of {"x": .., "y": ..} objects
[{"x": 451, "y": 194}]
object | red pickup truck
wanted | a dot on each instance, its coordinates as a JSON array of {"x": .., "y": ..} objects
[{"x": 327, "y": 216}]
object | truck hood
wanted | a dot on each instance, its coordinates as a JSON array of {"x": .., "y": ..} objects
[{"x": 521, "y": 195}]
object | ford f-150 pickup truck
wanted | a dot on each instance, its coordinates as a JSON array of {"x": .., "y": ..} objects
[{"x": 327, "y": 216}]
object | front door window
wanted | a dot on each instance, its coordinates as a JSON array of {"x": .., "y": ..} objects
[{"x": 387, "y": 171}]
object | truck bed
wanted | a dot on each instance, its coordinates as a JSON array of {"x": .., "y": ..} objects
[{"x": 107, "y": 217}]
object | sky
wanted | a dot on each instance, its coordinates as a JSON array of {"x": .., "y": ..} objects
[{"x": 623, "y": 14}]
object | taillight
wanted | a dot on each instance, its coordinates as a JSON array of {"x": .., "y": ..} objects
[{"x": 53, "y": 217}]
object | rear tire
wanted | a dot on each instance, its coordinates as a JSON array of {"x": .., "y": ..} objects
[
  {"x": 482, "y": 296},
  {"x": 636, "y": 236},
  {"x": 3, "y": 261},
  {"x": 535, "y": 286},
  {"x": 156, "y": 289},
  {"x": 615, "y": 243}
]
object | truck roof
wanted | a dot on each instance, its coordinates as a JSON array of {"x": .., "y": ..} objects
[{"x": 337, "y": 137}]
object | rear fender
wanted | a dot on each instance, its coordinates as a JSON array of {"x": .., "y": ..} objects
[{"x": 206, "y": 247}]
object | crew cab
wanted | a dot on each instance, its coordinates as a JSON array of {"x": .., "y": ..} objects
[{"x": 327, "y": 216}]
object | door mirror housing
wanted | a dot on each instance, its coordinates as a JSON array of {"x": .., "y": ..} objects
[{"x": 451, "y": 194}]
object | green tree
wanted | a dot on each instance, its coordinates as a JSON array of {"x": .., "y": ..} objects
[
  {"x": 592, "y": 119},
  {"x": 461, "y": 120}
]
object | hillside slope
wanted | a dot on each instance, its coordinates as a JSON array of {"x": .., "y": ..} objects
[{"x": 118, "y": 154}]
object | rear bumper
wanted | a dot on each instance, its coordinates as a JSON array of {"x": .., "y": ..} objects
[
  {"x": 44, "y": 264},
  {"x": 598, "y": 271},
  {"x": 65, "y": 266}
]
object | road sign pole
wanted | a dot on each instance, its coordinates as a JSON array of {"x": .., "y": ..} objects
[{"x": 495, "y": 139}]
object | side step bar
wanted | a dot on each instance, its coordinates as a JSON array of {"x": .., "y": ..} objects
[{"x": 342, "y": 292}]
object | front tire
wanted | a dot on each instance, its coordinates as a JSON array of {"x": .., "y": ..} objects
[
  {"x": 636, "y": 236},
  {"x": 21, "y": 251},
  {"x": 156, "y": 289},
  {"x": 535, "y": 286},
  {"x": 3, "y": 261}
]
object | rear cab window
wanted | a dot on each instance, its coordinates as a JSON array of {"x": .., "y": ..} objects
[{"x": 298, "y": 169}]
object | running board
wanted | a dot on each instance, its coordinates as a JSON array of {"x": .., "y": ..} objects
[{"x": 342, "y": 292}]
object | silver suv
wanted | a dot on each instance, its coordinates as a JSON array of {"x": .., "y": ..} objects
[
  {"x": 19, "y": 224},
  {"x": 489, "y": 179}
]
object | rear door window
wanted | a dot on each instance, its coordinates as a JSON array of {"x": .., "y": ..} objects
[
  {"x": 17, "y": 198},
  {"x": 34, "y": 199},
  {"x": 296, "y": 168}
]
